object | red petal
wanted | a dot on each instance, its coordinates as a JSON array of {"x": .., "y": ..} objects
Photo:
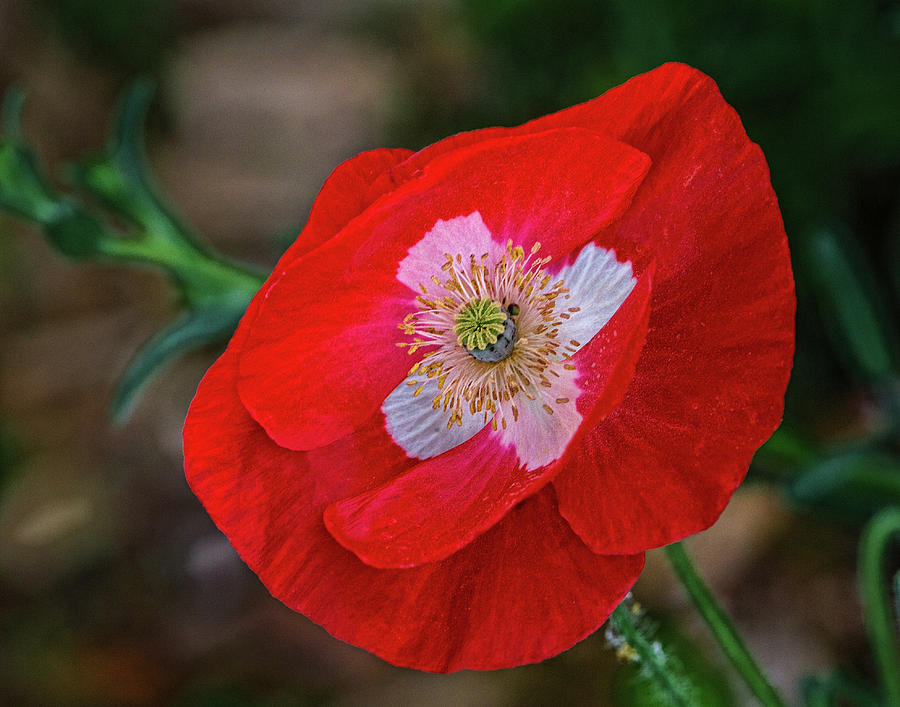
[
  {"x": 524, "y": 591},
  {"x": 709, "y": 386},
  {"x": 436, "y": 508},
  {"x": 351, "y": 187},
  {"x": 441, "y": 504},
  {"x": 322, "y": 354},
  {"x": 607, "y": 362}
]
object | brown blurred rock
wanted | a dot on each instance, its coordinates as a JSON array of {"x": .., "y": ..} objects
[
  {"x": 263, "y": 113},
  {"x": 57, "y": 517}
]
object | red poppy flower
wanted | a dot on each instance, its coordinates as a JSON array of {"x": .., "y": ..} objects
[{"x": 490, "y": 374}]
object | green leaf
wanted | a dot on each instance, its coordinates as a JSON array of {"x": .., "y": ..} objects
[
  {"x": 852, "y": 485},
  {"x": 190, "y": 331},
  {"x": 880, "y": 534},
  {"x": 75, "y": 232},
  {"x": 120, "y": 179},
  {"x": 837, "y": 688},
  {"x": 23, "y": 189},
  {"x": 214, "y": 290},
  {"x": 853, "y": 310}
]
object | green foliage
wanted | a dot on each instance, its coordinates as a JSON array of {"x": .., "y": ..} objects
[
  {"x": 661, "y": 674},
  {"x": 214, "y": 290},
  {"x": 837, "y": 689},
  {"x": 875, "y": 589},
  {"x": 709, "y": 685},
  {"x": 852, "y": 485},
  {"x": 846, "y": 291},
  {"x": 25, "y": 192}
]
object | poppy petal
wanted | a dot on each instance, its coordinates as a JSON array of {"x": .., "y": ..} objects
[
  {"x": 317, "y": 379},
  {"x": 434, "y": 509},
  {"x": 442, "y": 504},
  {"x": 525, "y": 590},
  {"x": 709, "y": 385},
  {"x": 349, "y": 189}
]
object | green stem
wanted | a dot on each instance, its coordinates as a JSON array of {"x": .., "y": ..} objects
[
  {"x": 722, "y": 628},
  {"x": 876, "y": 600},
  {"x": 204, "y": 276},
  {"x": 650, "y": 659}
]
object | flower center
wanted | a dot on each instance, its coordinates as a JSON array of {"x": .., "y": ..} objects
[
  {"x": 491, "y": 324},
  {"x": 486, "y": 330}
]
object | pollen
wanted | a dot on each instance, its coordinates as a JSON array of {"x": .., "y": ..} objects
[{"x": 489, "y": 323}]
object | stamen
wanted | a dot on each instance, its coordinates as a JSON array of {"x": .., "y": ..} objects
[{"x": 491, "y": 334}]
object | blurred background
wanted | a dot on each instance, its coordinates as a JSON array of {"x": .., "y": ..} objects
[{"x": 116, "y": 588}]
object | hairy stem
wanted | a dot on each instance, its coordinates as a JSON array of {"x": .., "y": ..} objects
[{"x": 650, "y": 658}]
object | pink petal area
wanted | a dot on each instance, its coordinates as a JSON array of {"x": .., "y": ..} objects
[
  {"x": 322, "y": 357},
  {"x": 525, "y": 590},
  {"x": 464, "y": 235},
  {"x": 709, "y": 386},
  {"x": 539, "y": 436},
  {"x": 442, "y": 504}
]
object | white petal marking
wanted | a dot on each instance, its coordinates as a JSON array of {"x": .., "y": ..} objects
[
  {"x": 539, "y": 421},
  {"x": 598, "y": 285},
  {"x": 417, "y": 427},
  {"x": 541, "y": 437}
]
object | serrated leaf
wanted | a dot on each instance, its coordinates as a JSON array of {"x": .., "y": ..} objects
[{"x": 190, "y": 331}]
